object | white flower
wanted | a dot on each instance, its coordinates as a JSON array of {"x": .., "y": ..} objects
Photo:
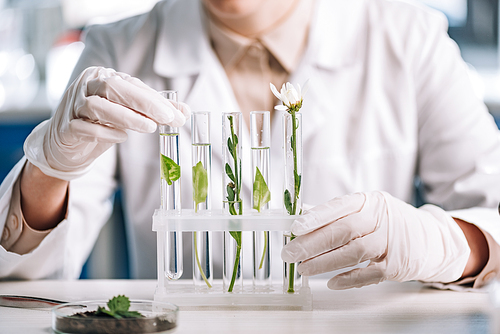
[{"x": 292, "y": 98}]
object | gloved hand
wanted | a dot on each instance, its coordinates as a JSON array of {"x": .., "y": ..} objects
[
  {"x": 401, "y": 242},
  {"x": 94, "y": 114}
]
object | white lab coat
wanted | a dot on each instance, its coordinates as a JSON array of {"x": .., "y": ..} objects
[{"x": 389, "y": 99}]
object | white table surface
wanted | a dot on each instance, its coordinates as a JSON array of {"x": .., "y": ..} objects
[{"x": 385, "y": 308}]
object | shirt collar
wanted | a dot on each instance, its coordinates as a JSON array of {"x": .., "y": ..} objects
[
  {"x": 287, "y": 42},
  {"x": 342, "y": 24},
  {"x": 231, "y": 46}
]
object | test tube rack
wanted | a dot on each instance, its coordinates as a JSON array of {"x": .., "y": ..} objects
[{"x": 183, "y": 292}]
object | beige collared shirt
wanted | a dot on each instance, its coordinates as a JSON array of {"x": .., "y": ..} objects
[{"x": 269, "y": 57}]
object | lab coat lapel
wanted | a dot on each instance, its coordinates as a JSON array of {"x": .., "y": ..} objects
[
  {"x": 188, "y": 61},
  {"x": 180, "y": 51},
  {"x": 335, "y": 43},
  {"x": 336, "y": 34}
]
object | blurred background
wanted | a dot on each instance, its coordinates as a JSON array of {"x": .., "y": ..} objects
[{"x": 40, "y": 44}]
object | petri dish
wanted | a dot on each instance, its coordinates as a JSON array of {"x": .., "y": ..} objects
[{"x": 159, "y": 317}]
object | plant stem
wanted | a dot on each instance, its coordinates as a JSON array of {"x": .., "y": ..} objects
[
  {"x": 198, "y": 261},
  {"x": 294, "y": 152},
  {"x": 291, "y": 273},
  {"x": 264, "y": 251},
  {"x": 235, "y": 268},
  {"x": 237, "y": 179},
  {"x": 236, "y": 200},
  {"x": 291, "y": 279}
]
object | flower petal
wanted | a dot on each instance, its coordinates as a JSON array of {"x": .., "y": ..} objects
[
  {"x": 283, "y": 89},
  {"x": 284, "y": 97},
  {"x": 305, "y": 88},
  {"x": 285, "y": 100},
  {"x": 296, "y": 96},
  {"x": 291, "y": 97},
  {"x": 275, "y": 91}
]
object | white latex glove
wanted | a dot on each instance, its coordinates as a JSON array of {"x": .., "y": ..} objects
[
  {"x": 401, "y": 242},
  {"x": 94, "y": 114}
]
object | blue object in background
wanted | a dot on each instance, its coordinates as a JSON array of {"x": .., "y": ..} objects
[
  {"x": 14, "y": 128},
  {"x": 117, "y": 252},
  {"x": 12, "y": 136}
]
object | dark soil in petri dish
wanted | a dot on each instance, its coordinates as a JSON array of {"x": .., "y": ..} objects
[{"x": 89, "y": 322}]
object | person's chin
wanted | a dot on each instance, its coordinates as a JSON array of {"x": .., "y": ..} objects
[{"x": 231, "y": 9}]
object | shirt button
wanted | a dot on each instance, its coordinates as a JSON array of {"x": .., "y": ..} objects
[
  {"x": 489, "y": 276},
  {"x": 14, "y": 221},
  {"x": 5, "y": 234}
]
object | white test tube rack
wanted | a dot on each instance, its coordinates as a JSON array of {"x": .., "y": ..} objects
[{"x": 183, "y": 292}]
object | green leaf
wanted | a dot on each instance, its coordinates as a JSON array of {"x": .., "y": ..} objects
[
  {"x": 237, "y": 236},
  {"x": 230, "y": 192},
  {"x": 170, "y": 171},
  {"x": 230, "y": 198},
  {"x": 297, "y": 179},
  {"x": 119, "y": 303},
  {"x": 261, "y": 193},
  {"x": 128, "y": 314},
  {"x": 288, "y": 202},
  {"x": 200, "y": 184},
  {"x": 101, "y": 310},
  {"x": 230, "y": 146},
  {"x": 229, "y": 172},
  {"x": 118, "y": 309}
]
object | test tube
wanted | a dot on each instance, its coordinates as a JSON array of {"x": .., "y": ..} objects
[
  {"x": 202, "y": 164},
  {"x": 232, "y": 277},
  {"x": 292, "y": 197},
  {"x": 292, "y": 144},
  {"x": 171, "y": 192},
  {"x": 291, "y": 277},
  {"x": 260, "y": 139}
]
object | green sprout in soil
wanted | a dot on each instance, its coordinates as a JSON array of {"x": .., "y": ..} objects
[{"x": 118, "y": 308}]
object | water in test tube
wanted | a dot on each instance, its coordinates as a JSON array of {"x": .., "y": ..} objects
[
  {"x": 201, "y": 171},
  {"x": 260, "y": 137},
  {"x": 171, "y": 192}
]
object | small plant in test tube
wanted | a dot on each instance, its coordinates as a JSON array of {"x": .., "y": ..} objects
[
  {"x": 260, "y": 138},
  {"x": 201, "y": 171},
  {"x": 232, "y": 204},
  {"x": 292, "y": 129},
  {"x": 170, "y": 175}
]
